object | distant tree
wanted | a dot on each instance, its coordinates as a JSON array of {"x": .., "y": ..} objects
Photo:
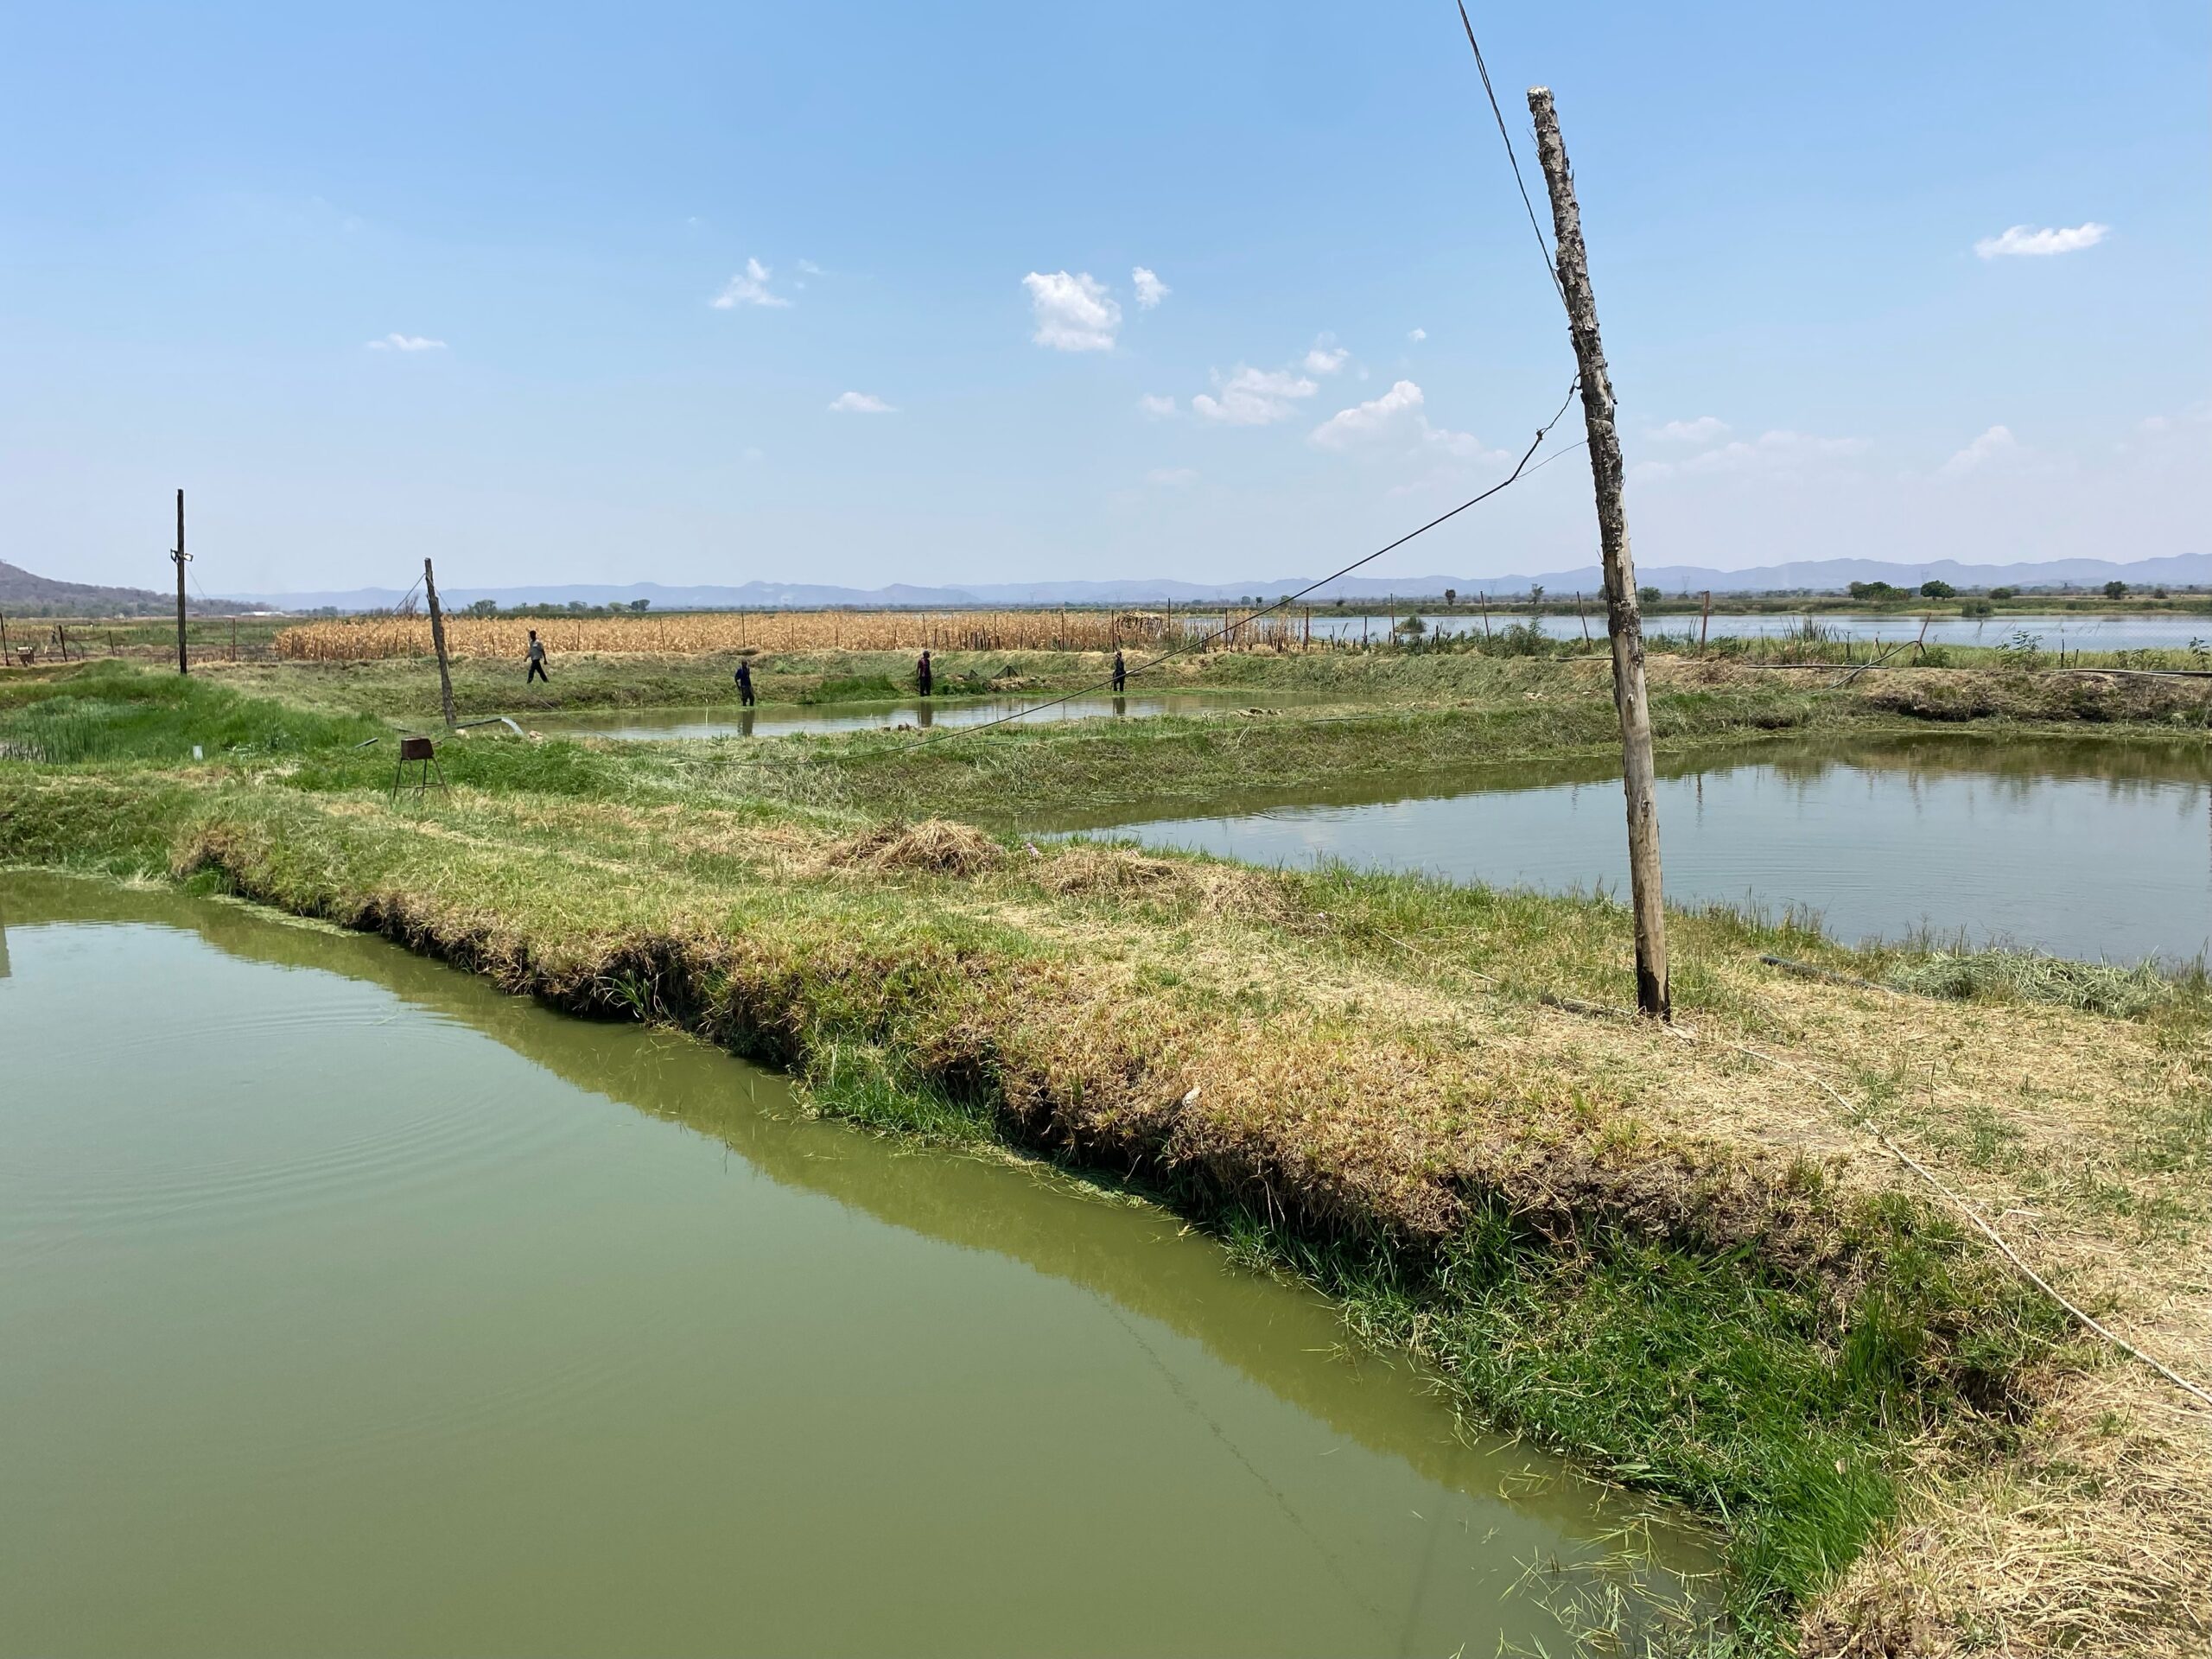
[
  {"x": 1535, "y": 592},
  {"x": 485, "y": 608},
  {"x": 1938, "y": 590},
  {"x": 1648, "y": 595},
  {"x": 1451, "y": 596},
  {"x": 2158, "y": 593},
  {"x": 641, "y": 605},
  {"x": 1876, "y": 590},
  {"x": 2004, "y": 593},
  {"x": 2115, "y": 590}
]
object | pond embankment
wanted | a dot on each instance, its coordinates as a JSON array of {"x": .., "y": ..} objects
[{"x": 1668, "y": 1253}]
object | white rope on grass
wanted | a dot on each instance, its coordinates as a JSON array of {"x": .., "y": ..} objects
[{"x": 2196, "y": 1390}]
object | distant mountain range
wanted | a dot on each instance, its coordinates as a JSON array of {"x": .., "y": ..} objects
[
  {"x": 23, "y": 594},
  {"x": 1821, "y": 576}
]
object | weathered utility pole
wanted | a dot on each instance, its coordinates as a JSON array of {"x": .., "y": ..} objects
[
  {"x": 180, "y": 555},
  {"x": 438, "y": 639},
  {"x": 1623, "y": 617}
]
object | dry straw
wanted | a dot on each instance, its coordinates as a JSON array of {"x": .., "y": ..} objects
[{"x": 365, "y": 638}]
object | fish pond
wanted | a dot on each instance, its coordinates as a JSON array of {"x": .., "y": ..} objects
[
  {"x": 351, "y": 1306},
  {"x": 2094, "y": 848}
]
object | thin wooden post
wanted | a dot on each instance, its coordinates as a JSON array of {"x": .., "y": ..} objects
[
  {"x": 1624, "y": 618},
  {"x": 1583, "y": 615},
  {"x": 183, "y": 666},
  {"x": 6, "y": 650},
  {"x": 234, "y": 639},
  {"x": 438, "y": 640},
  {"x": 1704, "y": 621}
]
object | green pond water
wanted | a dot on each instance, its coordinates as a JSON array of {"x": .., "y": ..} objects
[
  {"x": 350, "y": 1307},
  {"x": 2088, "y": 847}
]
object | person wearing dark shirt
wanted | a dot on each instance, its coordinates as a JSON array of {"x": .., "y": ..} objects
[
  {"x": 923, "y": 679},
  {"x": 537, "y": 654},
  {"x": 1121, "y": 675},
  {"x": 744, "y": 684}
]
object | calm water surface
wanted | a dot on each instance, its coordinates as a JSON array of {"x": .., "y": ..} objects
[
  {"x": 2082, "y": 631},
  {"x": 2085, "y": 848},
  {"x": 785, "y": 719},
  {"x": 352, "y": 1307}
]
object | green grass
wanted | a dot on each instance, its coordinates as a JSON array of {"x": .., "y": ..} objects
[
  {"x": 1692, "y": 1357},
  {"x": 109, "y": 714}
]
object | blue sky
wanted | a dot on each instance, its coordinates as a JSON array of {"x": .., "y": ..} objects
[{"x": 442, "y": 280}]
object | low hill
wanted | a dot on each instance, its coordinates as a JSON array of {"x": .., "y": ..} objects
[{"x": 23, "y": 594}]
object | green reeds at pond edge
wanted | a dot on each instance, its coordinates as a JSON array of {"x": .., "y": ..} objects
[{"x": 112, "y": 714}]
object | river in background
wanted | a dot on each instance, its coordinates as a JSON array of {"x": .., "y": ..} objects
[
  {"x": 2087, "y": 847},
  {"x": 2165, "y": 630},
  {"x": 353, "y": 1306}
]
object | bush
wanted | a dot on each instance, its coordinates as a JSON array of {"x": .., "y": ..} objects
[{"x": 1932, "y": 589}]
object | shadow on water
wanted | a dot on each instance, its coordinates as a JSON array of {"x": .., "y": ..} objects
[{"x": 1158, "y": 1283}]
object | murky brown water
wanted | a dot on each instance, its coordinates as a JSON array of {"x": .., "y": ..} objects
[{"x": 350, "y": 1307}]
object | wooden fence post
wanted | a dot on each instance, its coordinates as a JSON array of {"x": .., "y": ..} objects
[
  {"x": 438, "y": 640},
  {"x": 1624, "y": 618}
]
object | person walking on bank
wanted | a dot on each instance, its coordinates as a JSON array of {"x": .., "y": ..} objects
[
  {"x": 1121, "y": 675},
  {"x": 537, "y": 654},
  {"x": 922, "y": 678},
  {"x": 744, "y": 683}
]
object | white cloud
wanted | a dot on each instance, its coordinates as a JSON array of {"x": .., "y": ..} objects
[
  {"x": 1417, "y": 336},
  {"x": 406, "y": 343},
  {"x": 1399, "y": 413},
  {"x": 1327, "y": 356},
  {"x": 859, "y": 403},
  {"x": 1370, "y": 419},
  {"x": 1992, "y": 445},
  {"x": 1150, "y": 289},
  {"x": 1254, "y": 396},
  {"x": 2022, "y": 241},
  {"x": 748, "y": 287},
  {"x": 1706, "y": 428},
  {"x": 1172, "y": 475},
  {"x": 1074, "y": 314},
  {"x": 1780, "y": 451},
  {"x": 808, "y": 267},
  {"x": 1158, "y": 407}
]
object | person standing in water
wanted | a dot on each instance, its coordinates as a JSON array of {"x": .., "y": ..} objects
[
  {"x": 537, "y": 654},
  {"x": 744, "y": 683},
  {"x": 1121, "y": 675},
  {"x": 923, "y": 679}
]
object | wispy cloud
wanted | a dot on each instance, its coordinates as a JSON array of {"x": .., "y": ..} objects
[
  {"x": 1398, "y": 416},
  {"x": 1992, "y": 445},
  {"x": 2021, "y": 241},
  {"x": 1074, "y": 313},
  {"x": 406, "y": 343},
  {"x": 859, "y": 403},
  {"x": 1779, "y": 451},
  {"x": 1171, "y": 475},
  {"x": 808, "y": 267},
  {"x": 1159, "y": 407},
  {"x": 1417, "y": 336},
  {"x": 1150, "y": 289},
  {"x": 1370, "y": 419},
  {"x": 1327, "y": 356},
  {"x": 1253, "y": 396},
  {"x": 1706, "y": 428},
  {"x": 748, "y": 287}
]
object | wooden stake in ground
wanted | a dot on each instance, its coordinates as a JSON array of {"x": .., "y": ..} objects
[
  {"x": 1624, "y": 618},
  {"x": 438, "y": 640},
  {"x": 180, "y": 555}
]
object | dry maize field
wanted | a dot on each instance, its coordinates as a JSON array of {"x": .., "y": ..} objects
[{"x": 361, "y": 639}]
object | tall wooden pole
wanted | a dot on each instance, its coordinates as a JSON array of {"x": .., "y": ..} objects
[
  {"x": 1624, "y": 620},
  {"x": 438, "y": 639},
  {"x": 183, "y": 665}
]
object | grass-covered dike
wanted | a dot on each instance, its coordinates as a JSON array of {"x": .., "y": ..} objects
[{"x": 1679, "y": 1265}]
